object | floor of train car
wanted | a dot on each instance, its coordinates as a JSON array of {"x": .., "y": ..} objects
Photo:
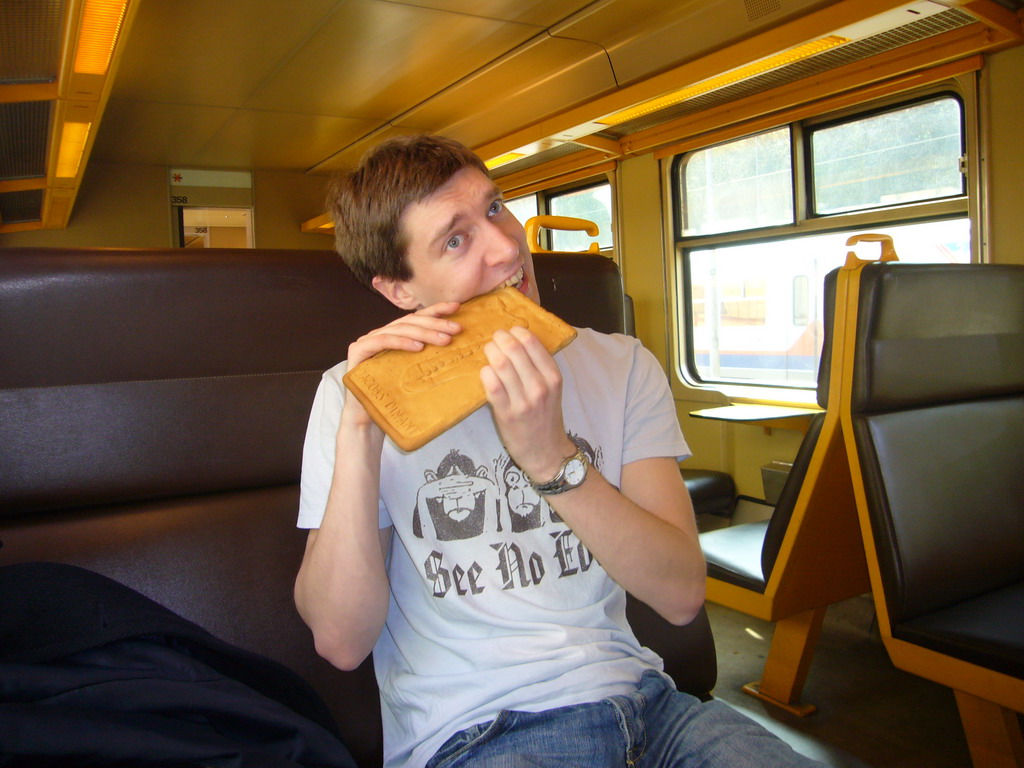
[{"x": 869, "y": 713}]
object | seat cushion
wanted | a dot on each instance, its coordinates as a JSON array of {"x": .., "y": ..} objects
[
  {"x": 987, "y": 630},
  {"x": 734, "y": 554}
]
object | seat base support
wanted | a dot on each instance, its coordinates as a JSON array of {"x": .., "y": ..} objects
[
  {"x": 798, "y": 709},
  {"x": 789, "y": 661},
  {"x": 993, "y": 732}
]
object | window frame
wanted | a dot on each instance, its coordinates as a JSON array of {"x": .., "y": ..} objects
[
  {"x": 808, "y": 128},
  {"x": 551, "y": 195},
  {"x": 545, "y": 196},
  {"x": 679, "y": 223},
  {"x": 967, "y": 205}
]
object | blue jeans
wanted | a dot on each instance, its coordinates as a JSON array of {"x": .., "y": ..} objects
[{"x": 657, "y": 726}]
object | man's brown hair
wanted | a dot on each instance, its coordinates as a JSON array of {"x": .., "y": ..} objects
[{"x": 367, "y": 204}]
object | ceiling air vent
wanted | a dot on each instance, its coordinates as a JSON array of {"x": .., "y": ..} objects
[
  {"x": 758, "y": 9},
  {"x": 30, "y": 41},
  {"x": 23, "y": 130},
  {"x": 845, "y": 54},
  {"x": 19, "y": 207}
]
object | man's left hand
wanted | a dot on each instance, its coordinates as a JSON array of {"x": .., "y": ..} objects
[{"x": 524, "y": 388}]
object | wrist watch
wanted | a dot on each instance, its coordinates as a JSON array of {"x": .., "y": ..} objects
[{"x": 571, "y": 474}]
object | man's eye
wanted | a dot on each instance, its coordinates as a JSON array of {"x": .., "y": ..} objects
[
  {"x": 496, "y": 206},
  {"x": 454, "y": 242}
]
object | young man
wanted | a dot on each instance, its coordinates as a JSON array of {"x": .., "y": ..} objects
[{"x": 486, "y": 570}]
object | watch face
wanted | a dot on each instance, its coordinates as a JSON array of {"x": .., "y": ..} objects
[{"x": 575, "y": 471}]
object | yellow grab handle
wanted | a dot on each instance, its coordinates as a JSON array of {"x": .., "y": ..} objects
[
  {"x": 536, "y": 223},
  {"x": 888, "y": 250}
]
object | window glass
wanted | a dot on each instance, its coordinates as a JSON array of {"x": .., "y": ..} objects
[
  {"x": 754, "y": 253},
  {"x": 744, "y": 184},
  {"x": 523, "y": 208},
  {"x": 896, "y": 157},
  {"x": 592, "y": 203},
  {"x": 214, "y": 227},
  {"x": 756, "y": 308}
]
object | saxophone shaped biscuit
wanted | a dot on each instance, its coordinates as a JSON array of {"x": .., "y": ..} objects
[{"x": 415, "y": 396}]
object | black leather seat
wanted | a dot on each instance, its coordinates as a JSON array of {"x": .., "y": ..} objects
[
  {"x": 745, "y": 554},
  {"x": 152, "y": 410},
  {"x": 935, "y": 419},
  {"x": 808, "y": 555},
  {"x": 712, "y": 492},
  {"x": 586, "y": 290}
]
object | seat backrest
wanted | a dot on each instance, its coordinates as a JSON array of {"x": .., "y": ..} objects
[
  {"x": 828, "y": 332},
  {"x": 783, "y": 512},
  {"x": 108, "y": 353},
  {"x": 153, "y": 405},
  {"x": 90, "y": 338},
  {"x": 778, "y": 524},
  {"x": 585, "y": 290},
  {"x": 937, "y": 414}
]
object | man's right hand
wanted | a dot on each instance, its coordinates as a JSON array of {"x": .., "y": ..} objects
[{"x": 411, "y": 332}]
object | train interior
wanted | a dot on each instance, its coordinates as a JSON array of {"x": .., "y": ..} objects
[{"x": 195, "y": 122}]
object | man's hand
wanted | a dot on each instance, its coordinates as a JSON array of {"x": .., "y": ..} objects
[
  {"x": 412, "y": 333},
  {"x": 643, "y": 534},
  {"x": 524, "y": 388}
]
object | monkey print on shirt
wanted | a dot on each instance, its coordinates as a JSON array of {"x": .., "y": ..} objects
[{"x": 463, "y": 499}]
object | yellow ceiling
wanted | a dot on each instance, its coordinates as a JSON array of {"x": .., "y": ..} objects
[{"x": 308, "y": 85}]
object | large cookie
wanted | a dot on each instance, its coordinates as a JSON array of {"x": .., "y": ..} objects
[{"x": 415, "y": 396}]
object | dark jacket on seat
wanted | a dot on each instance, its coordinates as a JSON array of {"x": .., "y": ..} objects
[{"x": 94, "y": 673}]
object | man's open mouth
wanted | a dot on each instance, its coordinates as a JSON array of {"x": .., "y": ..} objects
[{"x": 515, "y": 280}]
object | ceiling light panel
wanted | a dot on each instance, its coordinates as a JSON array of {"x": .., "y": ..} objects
[
  {"x": 97, "y": 35},
  {"x": 727, "y": 78},
  {"x": 72, "y": 147},
  {"x": 556, "y": 152}
]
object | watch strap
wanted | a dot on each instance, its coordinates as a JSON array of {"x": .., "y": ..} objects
[{"x": 560, "y": 483}]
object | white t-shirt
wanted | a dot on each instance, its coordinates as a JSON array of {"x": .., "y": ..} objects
[{"x": 495, "y": 604}]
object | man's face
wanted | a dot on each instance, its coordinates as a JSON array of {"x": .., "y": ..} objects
[{"x": 462, "y": 242}]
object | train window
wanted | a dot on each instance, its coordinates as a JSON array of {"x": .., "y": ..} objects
[
  {"x": 754, "y": 247},
  {"x": 741, "y": 184},
  {"x": 900, "y": 156},
  {"x": 523, "y": 208},
  {"x": 593, "y": 203}
]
